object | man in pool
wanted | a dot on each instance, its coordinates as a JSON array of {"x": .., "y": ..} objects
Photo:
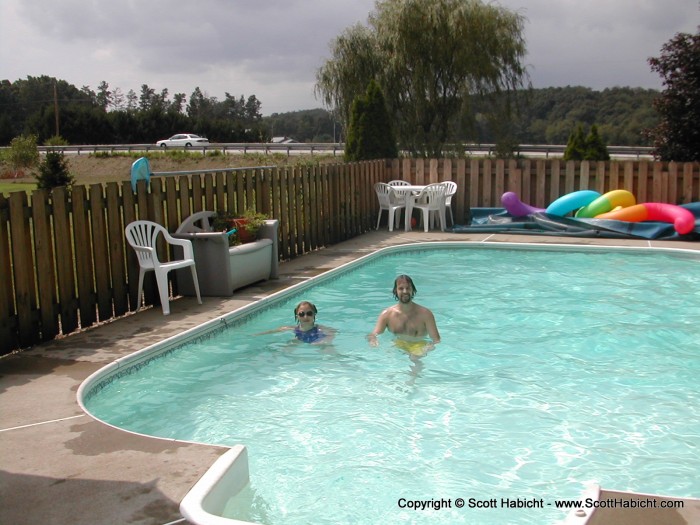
[{"x": 408, "y": 321}]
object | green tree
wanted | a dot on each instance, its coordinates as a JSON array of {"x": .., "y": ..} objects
[
  {"x": 576, "y": 146},
  {"x": 104, "y": 95},
  {"x": 595, "y": 147},
  {"x": 147, "y": 98},
  {"x": 23, "y": 152},
  {"x": 356, "y": 60},
  {"x": 677, "y": 136},
  {"x": 53, "y": 171},
  {"x": 131, "y": 100},
  {"x": 201, "y": 106},
  {"x": 370, "y": 135},
  {"x": 428, "y": 56}
]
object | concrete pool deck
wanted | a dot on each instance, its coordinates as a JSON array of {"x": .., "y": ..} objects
[{"x": 59, "y": 466}]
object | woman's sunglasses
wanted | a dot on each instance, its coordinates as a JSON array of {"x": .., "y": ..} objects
[{"x": 307, "y": 314}]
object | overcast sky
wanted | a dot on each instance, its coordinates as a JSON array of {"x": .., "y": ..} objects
[{"x": 273, "y": 48}]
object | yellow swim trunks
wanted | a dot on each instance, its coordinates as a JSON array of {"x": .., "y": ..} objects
[{"x": 412, "y": 347}]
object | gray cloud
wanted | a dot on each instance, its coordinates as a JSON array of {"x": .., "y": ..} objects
[
  {"x": 272, "y": 48},
  {"x": 600, "y": 43}
]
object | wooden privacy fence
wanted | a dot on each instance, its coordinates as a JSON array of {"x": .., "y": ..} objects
[
  {"x": 65, "y": 263},
  {"x": 482, "y": 182}
]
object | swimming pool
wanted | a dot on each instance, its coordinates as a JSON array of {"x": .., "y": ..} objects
[{"x": 531, "y": 394}]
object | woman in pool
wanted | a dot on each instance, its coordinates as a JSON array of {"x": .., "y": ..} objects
[{"x": 306, "y": 330}]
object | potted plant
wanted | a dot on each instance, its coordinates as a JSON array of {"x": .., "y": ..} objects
[
  {"x": 246, "y": 225},
  {"x": 249, "y": 224}
]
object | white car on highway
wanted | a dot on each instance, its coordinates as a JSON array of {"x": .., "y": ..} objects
[{"x": 186, "y": 140}]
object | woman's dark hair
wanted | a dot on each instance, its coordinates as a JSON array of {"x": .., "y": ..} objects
[
  {"x": 312, "y": 305},
  {"x": 403, "y": 278}
]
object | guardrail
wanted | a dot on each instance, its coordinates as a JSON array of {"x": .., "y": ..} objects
[
  {"x": 230, "y": 147},
  {"x": 559, "y": 149},
  {"x": 544, "y": 150}
]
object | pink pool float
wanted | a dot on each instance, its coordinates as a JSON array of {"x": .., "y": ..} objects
[{"x": 683, "y": 220}]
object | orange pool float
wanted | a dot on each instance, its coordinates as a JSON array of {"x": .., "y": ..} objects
[{"x": 683, "y": 221}]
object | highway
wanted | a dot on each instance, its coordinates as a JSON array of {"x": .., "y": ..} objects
[{"x": 336, "y": 149}]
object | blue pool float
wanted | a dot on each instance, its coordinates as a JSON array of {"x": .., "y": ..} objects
[{"x": 572, "y": 201}]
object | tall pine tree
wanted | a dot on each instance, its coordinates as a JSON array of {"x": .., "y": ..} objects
[
  {"x": 595, "y": 147},
  {"x": 370, "y": 135},
  {"x": 576, "y": 146}
]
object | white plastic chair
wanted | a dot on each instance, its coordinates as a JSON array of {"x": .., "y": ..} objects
[
  {"x": 197, "y": 223},
  {"x": 398, "y": 182},
  {"x": 451, "y": 190},
  {"x": 391, "y": 202},
  {"x": 142, "y": 236},
  {"x": 431, "y": 200}
]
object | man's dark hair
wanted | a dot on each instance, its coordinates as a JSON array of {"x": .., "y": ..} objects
[{"x": 404, "y": 278}]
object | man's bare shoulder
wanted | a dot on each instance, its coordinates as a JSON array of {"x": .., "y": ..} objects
[
  {"x": 389, "y": 310},
  {"x": 422, "y": 309}
]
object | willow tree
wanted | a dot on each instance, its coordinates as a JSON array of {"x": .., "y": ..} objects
[
  {"x": 355, "y": 63},
  {"x": 429, "y": 57}
]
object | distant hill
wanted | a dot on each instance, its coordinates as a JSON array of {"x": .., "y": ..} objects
[
  {"x": 546, "y": 116},
  {"x": 311, "y": 125}
]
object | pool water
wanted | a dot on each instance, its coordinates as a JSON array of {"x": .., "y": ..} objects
[{"x": 556, "y": 369}]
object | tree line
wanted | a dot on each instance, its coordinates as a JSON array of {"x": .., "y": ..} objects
[
  {"x": 48, "y": 107},
  {"x": 543, "y": 116}
]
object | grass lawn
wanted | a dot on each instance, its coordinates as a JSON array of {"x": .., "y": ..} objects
[
  {"x": 7, "y": 187},
  {"x": 104, "y": 168}
]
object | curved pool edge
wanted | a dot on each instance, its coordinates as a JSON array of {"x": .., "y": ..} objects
[
  {"x": 141, "y": 357},
  {"x": 633, "y": 508},
  {"x": 203, "y": 500}
]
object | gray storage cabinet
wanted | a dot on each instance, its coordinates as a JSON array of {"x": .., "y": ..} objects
[{"x": 222, "y": 269}]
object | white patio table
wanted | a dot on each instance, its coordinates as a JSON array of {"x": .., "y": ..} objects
[{"x": 409, "y": 192}]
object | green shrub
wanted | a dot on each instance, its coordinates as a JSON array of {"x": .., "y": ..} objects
[
  {"x": 53, "y": 171},
  {"x": 56, "y": 140},
  {"x": 23, "y": 152},
  {"x": 576, "y": 146},
  {"x": 595, "y": 147},
  {"x": 582, "y": 147}
]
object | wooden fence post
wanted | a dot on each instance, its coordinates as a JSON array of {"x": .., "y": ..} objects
[
  {"x": 46, "y": 277},
  {"x": 23, "y": 269},
  {"x": 8, "y": 326}
]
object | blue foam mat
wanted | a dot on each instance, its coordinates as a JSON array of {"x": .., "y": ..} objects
[{"x": 498, "y": 220}]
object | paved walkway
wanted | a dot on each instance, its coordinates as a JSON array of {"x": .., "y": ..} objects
[{"x": 59, "y": 466}]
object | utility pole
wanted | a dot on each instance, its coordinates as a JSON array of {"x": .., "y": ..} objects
[{"x": 55, "y": 106}]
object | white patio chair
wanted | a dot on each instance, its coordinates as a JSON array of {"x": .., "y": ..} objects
[
  {"x": 431, "y": 200},
  {"x": 451, "y": 190},
  {"x": 390, "y": 201},
  {"x": 142, "y": 236},
  {"x": 398, "y": 182}
]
